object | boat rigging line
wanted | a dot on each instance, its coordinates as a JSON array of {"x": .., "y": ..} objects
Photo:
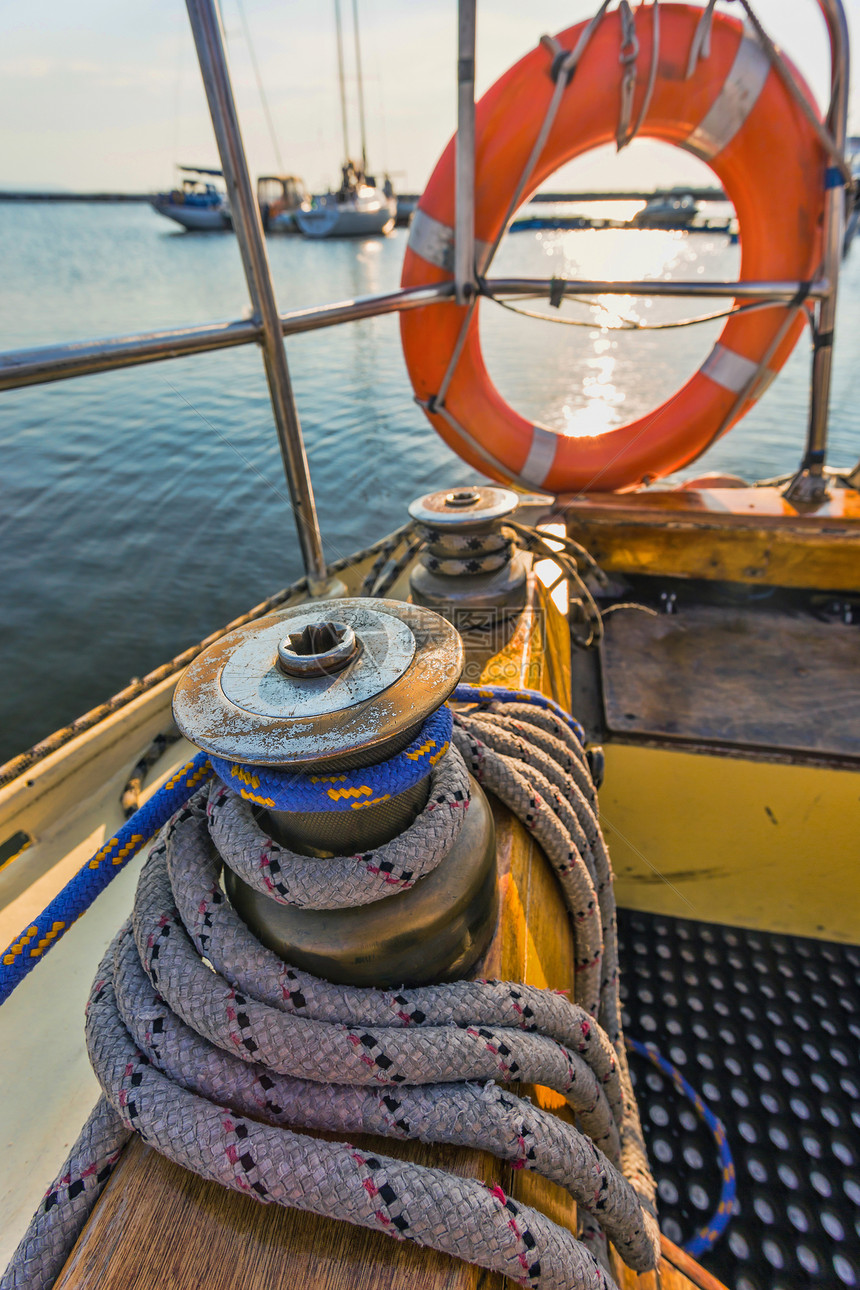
[
  {"x": 341, "y": 79},
  {"x": 360, "y": 89},
  {"x": 260, "y": 87}
]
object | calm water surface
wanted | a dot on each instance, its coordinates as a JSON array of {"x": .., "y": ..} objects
[{"x": 143, "y": 509}]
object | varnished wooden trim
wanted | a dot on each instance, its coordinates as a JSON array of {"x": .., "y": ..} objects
[{"x": 687, "y": 1265}]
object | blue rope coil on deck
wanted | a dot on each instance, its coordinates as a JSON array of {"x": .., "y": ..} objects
[
  {"x": 281, "y": 789},
  {"x": 394, "y": 776},
  {"x": 707, "y": 1235}
]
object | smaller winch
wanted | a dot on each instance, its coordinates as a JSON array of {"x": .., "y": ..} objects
[
  {"x": 355, "y": 843},
  {"x": 471, "y": 561}
]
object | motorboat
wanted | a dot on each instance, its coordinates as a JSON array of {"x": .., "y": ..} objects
[
  {"x": 279, "y": 198},
  {"x": 669, "y": 210},
  {"x": 196, "y": 204},
  {"x": 406, "y": 203}
]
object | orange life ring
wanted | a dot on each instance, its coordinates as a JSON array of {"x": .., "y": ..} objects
[{"x": 734, "y": 112}]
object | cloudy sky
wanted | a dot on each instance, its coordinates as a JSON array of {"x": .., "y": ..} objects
[{"x": 101, "y": 94}]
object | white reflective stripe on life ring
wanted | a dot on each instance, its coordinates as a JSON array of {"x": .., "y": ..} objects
[
  {"x": 735, "y": 101},
  {"x": 541, "y": 456},
  {"x": 734, "y": 372},
  {"x": 434, "y": 242}
]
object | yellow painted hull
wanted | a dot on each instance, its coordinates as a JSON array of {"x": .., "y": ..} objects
[{"x": 727, "y": 840}]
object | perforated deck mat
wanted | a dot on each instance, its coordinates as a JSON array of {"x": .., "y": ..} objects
[{"x": 767, "y": 1029}]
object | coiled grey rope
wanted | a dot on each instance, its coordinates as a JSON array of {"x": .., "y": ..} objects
[
  {"x": 193, "y": 1026},
  {"x": 508, "y": 777},
  {"x": 311, "y": 883},
  {"x": 68, "y": 1202}
]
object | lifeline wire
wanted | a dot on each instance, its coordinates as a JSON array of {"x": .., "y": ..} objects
[{"x": 627, "y": 324}]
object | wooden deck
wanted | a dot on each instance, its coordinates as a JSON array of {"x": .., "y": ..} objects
[
  {"x": 747, "y": 677},
  {"x": 193, "y": 1238}
]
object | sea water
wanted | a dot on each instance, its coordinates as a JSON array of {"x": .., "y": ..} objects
[{"x": 143, "y": 509}]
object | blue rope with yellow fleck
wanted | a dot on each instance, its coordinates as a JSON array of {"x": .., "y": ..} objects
[
  {"x": 707, "y": 1235},
  {"x": 40, "y": 936},
  {"x": 280, "y": 789},
  {"x": 264, "y": 786}
]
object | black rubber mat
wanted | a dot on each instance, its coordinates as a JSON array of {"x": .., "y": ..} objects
[{"x": 766, "y": 1028}]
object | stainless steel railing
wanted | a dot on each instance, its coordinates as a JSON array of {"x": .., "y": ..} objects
[
  {"x": 208, "y": 37},
  {"x": 464, "y": 194},
  {"x": 809, "y": 483},
  {"x": 267, "y": 326},
  {"x": 84, "y": 358}
]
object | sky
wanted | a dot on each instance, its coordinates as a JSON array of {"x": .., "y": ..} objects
[{"x": 106, "y": 95}]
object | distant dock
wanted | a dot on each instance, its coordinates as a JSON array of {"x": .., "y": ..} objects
[
  {"x": 698, "y": 194},
  {"x": 713, "y": 194},
  {"x": 73, "y": 197}
]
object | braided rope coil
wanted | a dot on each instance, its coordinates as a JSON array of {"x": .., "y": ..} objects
[
  {"x": 197, "y": 1033},
  {"x": 68, "y": 1202},
  {"x": 527, "y": 700},
  {"x": 458, "y": 554},
  {"x": 311, "y": 883},
  {"x": 466, "y": 543},
  {"x": 455, "y": 567}
]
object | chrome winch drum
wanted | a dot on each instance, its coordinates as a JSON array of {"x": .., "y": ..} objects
[
  {"x": 470, "y": 562},
  {"x": 336, "y": 686}
]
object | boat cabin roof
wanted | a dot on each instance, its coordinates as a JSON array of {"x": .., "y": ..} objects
[{"x": 201, "y": 170}]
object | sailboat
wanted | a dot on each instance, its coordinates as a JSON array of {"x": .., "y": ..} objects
[
  {"x": 358, "y": 208},
  {"x": 198, "y": 205}
]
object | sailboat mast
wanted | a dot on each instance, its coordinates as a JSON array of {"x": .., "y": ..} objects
[
  {"x": 360, "y": 88},
  {"x": 341, "y": 79}
]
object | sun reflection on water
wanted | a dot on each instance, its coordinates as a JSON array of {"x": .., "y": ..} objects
[{"x": 598, "y": 377}]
